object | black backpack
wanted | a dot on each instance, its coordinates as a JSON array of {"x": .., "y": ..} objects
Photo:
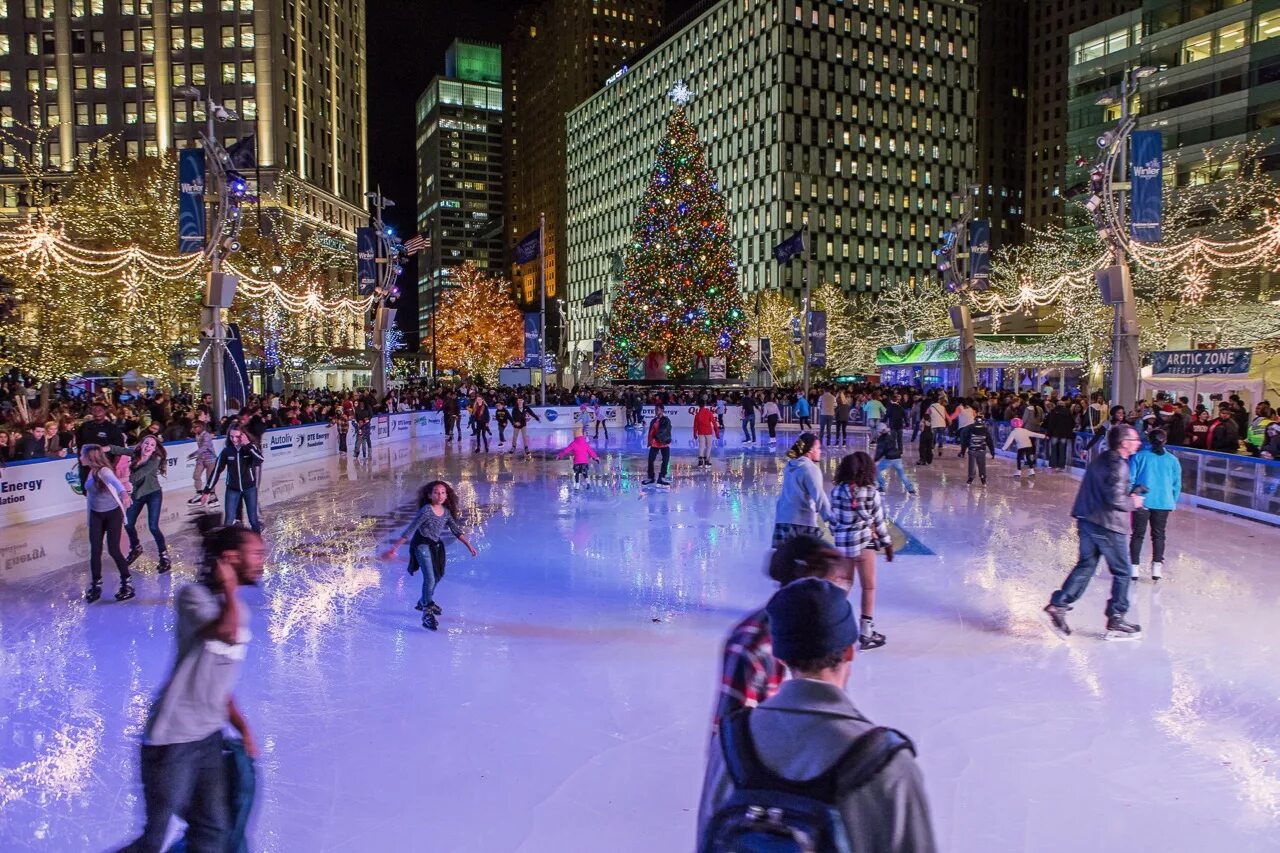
[
  {"x": 770, "y": 814},
  {"x": 662, "y": 434}
]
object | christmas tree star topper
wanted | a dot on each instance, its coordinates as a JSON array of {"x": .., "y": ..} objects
[{"x": 680, "y": 93}]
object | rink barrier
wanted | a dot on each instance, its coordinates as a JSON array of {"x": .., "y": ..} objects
[{"x": 44, "y": 488}]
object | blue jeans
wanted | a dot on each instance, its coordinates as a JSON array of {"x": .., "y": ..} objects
[
  {"x": 430, "y": 556},
  {"x": 895, "y": 465},
  {"x": 1059, "y": 449},
  {"x": 231, "y": 507},
  {"x": 188, "y": 780},
  {"x": 749, "y": 428},
  {"x": 152, "y": 503},
  {"x": 826, "y": 425},
  {"x": 1095, "y": 542}
]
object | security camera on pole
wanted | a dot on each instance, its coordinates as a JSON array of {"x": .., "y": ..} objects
[
  {"x": 1109, "y": 203},
  {"x": 220, "y": 288},
  {"x": 964, "y": 262}
]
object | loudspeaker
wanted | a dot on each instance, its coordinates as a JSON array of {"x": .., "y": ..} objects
[
  {"x": 959, "y": 316},
  {"x": 386, "y": 319},
  {"x": 1114, "y": 284},
  {"x": 220, "y": 289}
]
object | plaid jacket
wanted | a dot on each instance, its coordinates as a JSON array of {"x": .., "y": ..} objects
[
  {"x": 751, "y": 673},
  {"x": 857, "y": 519}
]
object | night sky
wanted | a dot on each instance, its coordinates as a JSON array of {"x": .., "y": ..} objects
[{"x": 407, "y": 41}]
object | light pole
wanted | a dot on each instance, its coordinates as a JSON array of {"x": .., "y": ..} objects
[
  {"x": 384, "y": 315},
  {"x": 953, "y": 264},
  {"x": 1109, "y": 206},
  {"x": 220, "y": 287}
]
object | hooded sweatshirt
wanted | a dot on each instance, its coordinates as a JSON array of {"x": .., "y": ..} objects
[
  {"x": 803, "y": 499},
  {"x": 1161, "y": 473},
  {"x": 581, "y": 450}
]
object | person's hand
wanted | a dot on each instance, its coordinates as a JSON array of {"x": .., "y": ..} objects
[
  {"x": 250, "y": 745},
  {"x": 1137, "y": 501},
  {"x": 126, "y": 500},
  {"x": 888, "y": 552},
  {"x": 226, "y": 576},
  {"x": 472, "y": 549}
]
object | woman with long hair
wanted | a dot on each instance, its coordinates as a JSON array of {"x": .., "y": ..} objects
[
  {"x": 148, "y": 464},
  {"x": 859, "y": 528},
  {"x": 804, "y": 498},
  {"x": 107, "y": 501},
  {"x": 438, "y": 512}
]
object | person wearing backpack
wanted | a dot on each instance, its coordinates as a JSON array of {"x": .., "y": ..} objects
[
  {"x": 805, "y": 770},
  {"x": 659, "y": 443}
]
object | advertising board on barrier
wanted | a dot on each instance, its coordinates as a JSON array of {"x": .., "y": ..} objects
[
  {"x": 681, "y": 415},
  {"x": 564, "y": 417}
]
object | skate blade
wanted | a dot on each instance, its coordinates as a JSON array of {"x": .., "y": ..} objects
[{"x": 1120, "y": 636}]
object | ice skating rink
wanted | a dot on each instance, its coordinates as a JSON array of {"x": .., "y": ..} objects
[{"x": 564, "y": 703}]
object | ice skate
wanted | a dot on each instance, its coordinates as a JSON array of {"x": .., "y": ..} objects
[
  {"x": 164, "y": 564},
  {"x": 647, "y": 481},
  {"x": 430, "y": 622},
  {"x": 93, "y": 593},
  {"x": 432, "y": 607},
  {"x": 1134, "y": 570},
  {"x": 125, "y": 592},
  {"x": 1058, "y": 619},
  {"x": 874, "y": 640},
  {"x": 1157, "y": 571},
  {"x": 132, "y": 557},
  {"x": 1119, "y": 629}
]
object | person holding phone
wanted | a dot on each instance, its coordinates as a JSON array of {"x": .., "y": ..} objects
[
  {"x": 242, "y": 460},
  {"x": 859, "y": 528}
]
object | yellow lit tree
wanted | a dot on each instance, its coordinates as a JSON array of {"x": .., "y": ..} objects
[{"x": 478, "y": 326}]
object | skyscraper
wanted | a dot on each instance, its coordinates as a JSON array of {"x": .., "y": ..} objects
[
  {"x": 559, "y": 52},
  {"x": 1002, "y": 117},
  {"x": 291, "y": 72},
  {"x": 460, "y": 174},
  {"x": 1050, "y": 23},
  {"x": 858, "y": 121}
]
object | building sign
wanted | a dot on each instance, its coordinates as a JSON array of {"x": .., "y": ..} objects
[
  {"x": 1198, "y": 362},
  {"x": 980, "y": 254},
  {"x": 1147, "y": 175},
  {"x": 366, "y": 261},
  {"x": 616, "y": 76}
]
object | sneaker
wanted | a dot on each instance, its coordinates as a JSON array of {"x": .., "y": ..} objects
[
  {"x": 213, "y": 499},
  {"x": 1157, "y": 571},
  {"x": 1058, "y": 619},
  {"x": 969, "y": 482},
  {"x": 195, "y": 500},
  {"x": 93, "y": 593},
  {"x": 132, "y": 557},
  {"x": 1134, "y": 569},
  {"x": 434, "y": 608},
  {"x": 125, "y": 592},
  {"x": 1119, "y": 629},
  {"x": 430, "y": 622},
  {"x": 873, "y": 641}
]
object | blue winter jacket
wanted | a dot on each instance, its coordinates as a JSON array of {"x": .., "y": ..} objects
[
  {"x": 1159, "y": 472},
  {"x": 802, "y": 407}
]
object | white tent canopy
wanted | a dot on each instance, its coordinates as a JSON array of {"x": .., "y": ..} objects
[{"x": 1204, "y": 385}]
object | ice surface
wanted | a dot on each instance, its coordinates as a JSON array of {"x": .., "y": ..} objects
[{"x": 564, "y": 703}]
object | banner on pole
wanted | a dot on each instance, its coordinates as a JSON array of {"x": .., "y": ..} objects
[
  {"x": 531, "y": 326},
  {"x": 1147, "y": 178},
  {"x": 980, "y": 254},
  {"x": 366, "y": 261},
  {"x": 527, "y": 249},
  {"x": 817, "y": 338},
  {"x": 191, "y": 200},
  {"x": 235, "y": 370}
]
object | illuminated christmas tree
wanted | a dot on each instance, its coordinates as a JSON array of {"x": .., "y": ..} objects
[{"x": 679, "y": 298}]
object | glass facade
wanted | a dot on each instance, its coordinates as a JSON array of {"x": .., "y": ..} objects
[{"x": 855, "y": 118}]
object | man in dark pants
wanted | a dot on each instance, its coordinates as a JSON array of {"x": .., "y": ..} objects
[
  {"x": 97, "y": 430},
  {"x": 659, "y": 444},
  {"x": 896, "y": 417},
  {"x": 1101, "y": 511},
  {"x": 183, "y": 770}
]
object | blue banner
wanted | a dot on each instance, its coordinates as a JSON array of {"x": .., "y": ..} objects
[
  {"x": 531, "y": 325},
  {"x": 817, "y": 338},
  {"x": 980, "y": 254},
  {"x": 528, "y": 248},
  {"x": 789, "y": 248},
  {"x": 366, "y": 261},
  {"x": 1147, "y": 177},
  {"x": 1198, "y": 362},
  {"x": 235, "y": 370},
  {"x": 191, "y": 200}
]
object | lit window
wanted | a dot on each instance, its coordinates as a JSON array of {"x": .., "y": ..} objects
[
  {"x": 228, "y": 72},
  {"x": 179, "y": 111},
  {"x": 82, "y": 114},
  {"x": 82, "y": 77},
  {"x": 1197, "y": 48},
  {"x": 130, "y": 113},
  {"x": 197, "y": 73},
  {"x": 1231, "y": 37},
  {"x": 130, "y": 77},
  {"x": 4, "y": 44},
  {"x": 1268, "y": 26},
  {"x": 246, "y": 72},
  {"x": 99, "y": 113},
  {"x": 149, "y": 112},
  {"x": 197, "y": 38},
  {"x": 228, "y": 36},
  {"x": 148, "y": 76},
  {"x": 246, "y": 35},
  {"x": 178, "y": 38},
  {"x": 6, "y": 81},
  {"x": 51, "y": 79},
  {"x": 99, "y": 78},
  {"x": 249, "y": 108}
]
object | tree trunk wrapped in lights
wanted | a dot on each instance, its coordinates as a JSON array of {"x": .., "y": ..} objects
[
  {"x": 679, "y": 294},
  {"x": 478, "y": 327}
]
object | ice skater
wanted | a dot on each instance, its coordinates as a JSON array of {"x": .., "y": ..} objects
[
  {"x": 859, "y": 528},
  {"x": 889, "y": 457},
  {"x": 1101, "y": 510},
  {"x": 771, "y": 413},
  {"x": 206, "y": 459},
  {"x": 659, "y": 441},
  {"x": 803, "y": 500},
  {"x": 583, "y": 454},
  {"x": 437, "y": 512},
  {"x": 1160, "y": 473},
  {"x": 1025, "y": 441},
  {"x": 705, "y": 426},
  {"x": 364, "y": 437},
  {"x": 520, "y": 424},
  {"x": 979, "y": 444},
  {"x": 597, "y": 415},
  {"x": 480, "y": 424},
  {"x": 502, "y": 417},
  {"x": 107, "y": 501},
  {"x": 242, "y": 460},
  {"x": 148, "y": 463}
]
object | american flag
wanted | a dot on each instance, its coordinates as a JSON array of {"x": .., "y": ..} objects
[{"x": 416, "y": 244}]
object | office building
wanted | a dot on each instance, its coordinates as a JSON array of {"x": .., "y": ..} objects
[
  {"x": 559, "y": 52},
  {"x": 1050, "y": 23},
  {"x": 858, "y": 117},
  {"x": 1002, "y": 117},
  {"x": 292, "y": 72},
  {"x": 460, "y": 175}
]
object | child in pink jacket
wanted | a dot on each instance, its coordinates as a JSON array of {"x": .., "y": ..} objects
[{"x": 582, "y": 455}]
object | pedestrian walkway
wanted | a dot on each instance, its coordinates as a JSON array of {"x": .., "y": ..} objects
[{"x": 564, "y": 703}]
